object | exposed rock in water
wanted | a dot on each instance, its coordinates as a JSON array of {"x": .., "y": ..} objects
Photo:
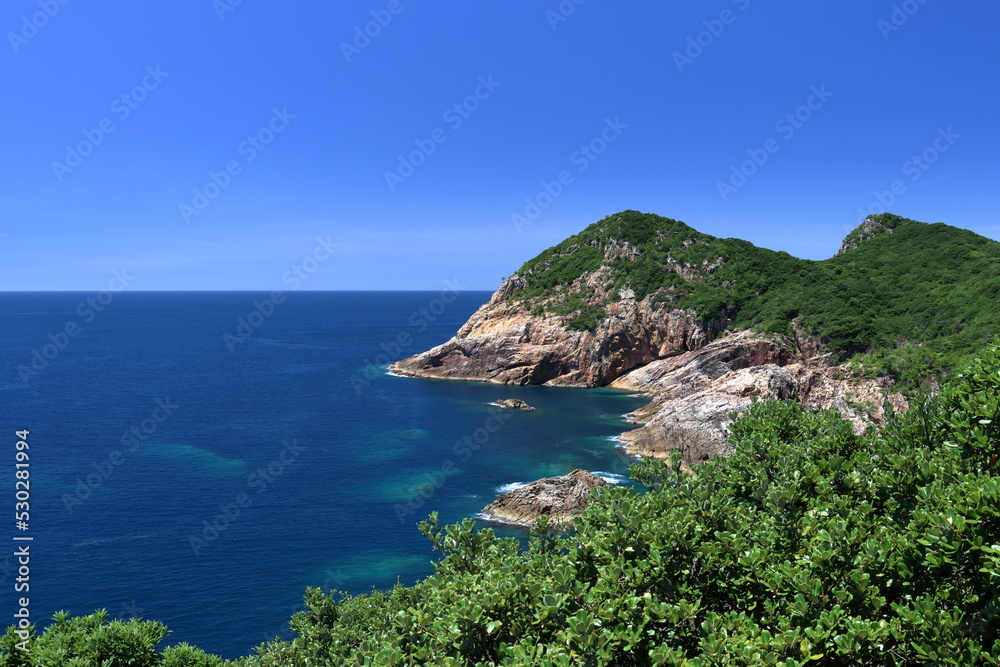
[
  {"x": 512, "y": 404},
  {"x": 560, "y": 498}
]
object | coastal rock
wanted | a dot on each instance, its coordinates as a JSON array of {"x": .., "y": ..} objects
[
  {"x": 695, "y": 394},
  {"x": 505, "y": 343},
  {"x": 696, "y": 378},
  {"x": 560, "y": 498},
  {"x": 512, "y": 404}
]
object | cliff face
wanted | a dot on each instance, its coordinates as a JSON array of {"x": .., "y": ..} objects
[
  {"x": 870, "y": 229},
  {"x": 504, "y": 342}
]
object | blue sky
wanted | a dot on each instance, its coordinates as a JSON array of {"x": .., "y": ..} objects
[{"x": 202, "y": 144}]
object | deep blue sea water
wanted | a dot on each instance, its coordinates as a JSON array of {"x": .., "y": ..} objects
[{"x": 205, "y": 481}]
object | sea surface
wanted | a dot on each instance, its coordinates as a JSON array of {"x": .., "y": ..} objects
[{"x": 201, "y": 458}]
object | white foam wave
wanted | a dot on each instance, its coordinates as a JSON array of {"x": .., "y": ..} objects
[
  {"x": 507, "y": 488},
  {"x": 483, "y": 516},
  {"x": 109, "y": 540},
  {"x": 611, "y": 477}
]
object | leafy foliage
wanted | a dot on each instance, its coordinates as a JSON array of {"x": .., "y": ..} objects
[{"x": 94, "y": 641}]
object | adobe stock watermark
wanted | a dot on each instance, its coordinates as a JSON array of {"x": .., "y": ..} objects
[
  {"x": 462, "y": 451},
  {"x": 899, "y": 17},
  {"x": 129, "y": 609},
  {"x": 704, "y": 39},
  {"x": 914, "y": 169},
  {"x": 121, "y": 107},
  {"x": 562, "y": 13},
  {"x": 248, "y": 150},
  {"x": 31, "y": 24},
  {"x": 581, "y": 159},
  {"x": 297, "y": 274},
  {"x": 133, "y": 438},
  {"x": 786, "y": 126},
  {"x": 258, "y": 481},
  {"x": 364, "y": 34},
  {"x": 223, "y": 7},
  {"x": 418, "y": 321},
  {"x": 455, "y": 116},
  {"x": 86, "y": 312}
]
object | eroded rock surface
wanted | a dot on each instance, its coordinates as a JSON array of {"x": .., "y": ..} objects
[{"x": 694, "y": 394}]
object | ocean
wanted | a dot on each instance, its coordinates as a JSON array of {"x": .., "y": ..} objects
[{"x": 201, "y": 458}]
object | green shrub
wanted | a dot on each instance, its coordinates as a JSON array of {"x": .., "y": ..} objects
[{"x": 88, "y": 641}]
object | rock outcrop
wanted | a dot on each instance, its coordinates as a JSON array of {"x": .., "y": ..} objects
[
  {"x": 696, "y": 380},
  {"x": 866, "y": 231},
  {"x": 560, "y": 498},
  {"x": 512, "y": 404},
  {"x": 694, "y": 394}
]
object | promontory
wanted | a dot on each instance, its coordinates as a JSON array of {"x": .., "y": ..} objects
[{"x": 705, "y": 325}]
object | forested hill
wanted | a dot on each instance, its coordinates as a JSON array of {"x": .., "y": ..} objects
[{"x": 911, "y": 298}]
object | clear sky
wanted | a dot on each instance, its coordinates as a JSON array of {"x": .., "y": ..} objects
[{"x": 200, "y": 144}]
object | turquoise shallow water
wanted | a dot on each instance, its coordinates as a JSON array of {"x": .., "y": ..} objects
[{"x": 176, "y": 479}]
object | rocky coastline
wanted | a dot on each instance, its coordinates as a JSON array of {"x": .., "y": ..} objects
[
  {"x": 696, "y": 374},
  {"x": 568, "y": 318}
]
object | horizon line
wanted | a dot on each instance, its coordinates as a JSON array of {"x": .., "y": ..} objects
[{"x": 219, "y": 291}]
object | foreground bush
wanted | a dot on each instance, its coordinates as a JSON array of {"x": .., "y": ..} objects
[
  {"x": 809, "y": 545},
  {"x": 94, "y": 641}
]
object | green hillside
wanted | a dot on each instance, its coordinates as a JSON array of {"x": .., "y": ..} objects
[{"x": 906, "y": 299}]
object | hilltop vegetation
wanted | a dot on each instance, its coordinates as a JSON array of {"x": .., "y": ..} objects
[
  {"x": 907, "y": 300},
  {"x": 811, "y": 544}
]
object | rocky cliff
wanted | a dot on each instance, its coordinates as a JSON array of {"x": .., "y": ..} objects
[
  {"x": 504, "y": 342},
  {"x": 869, "y": 230}
]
